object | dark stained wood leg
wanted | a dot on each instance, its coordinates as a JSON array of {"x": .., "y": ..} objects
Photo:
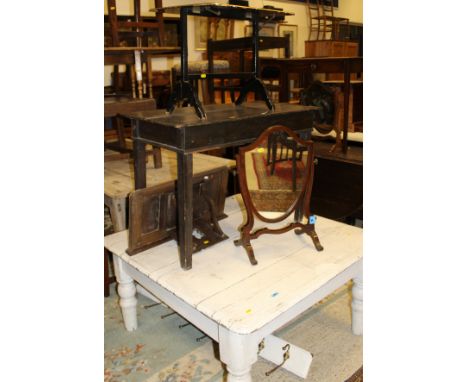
[
  {"x": 269, "y": 148},
  {"x": 213, "y": 218},
  {"x": 120, "y": 131},
  {"x": 284, "y": 85},
  {"x": 139, "y": 164},
  {"x": 149, "y": 77},
  {"x": 115, "y": 78},
  {"x": 313, "y": 235},
  {"x": 244, "y": 241},
  {"x": 347, "y": 81},
  {"x": 255, "y": 85},
  {"x": 157, "y": 159},
  {"x": 294, "y": 168},
  {"x": 185, "y": 208},
  {"x": 132, "y": 79},
  {"x": 310, "y": 230},
  {"x": 273, "y": 155},
  {"x": 245, "y": 230}
]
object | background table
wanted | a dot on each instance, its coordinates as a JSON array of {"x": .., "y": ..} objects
[
  {"x": 239, "y": 305},
  {"x": 309, "y": 65}
]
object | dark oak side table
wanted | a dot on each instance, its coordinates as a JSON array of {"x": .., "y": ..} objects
[{"x": 185, "y": 133}]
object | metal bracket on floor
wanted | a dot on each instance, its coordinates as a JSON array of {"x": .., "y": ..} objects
[
  {"x": 261, "y": 346},
  {"x": 200, "y": 338},
  {"x": 151, "y": 305},
  {"x": 285, "y": 355},
  {"x": 285, "y": 358},
  {"x": 168, "y": 314}
]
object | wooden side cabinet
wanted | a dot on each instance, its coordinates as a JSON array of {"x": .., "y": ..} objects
[{"x": 331, "y": 48}]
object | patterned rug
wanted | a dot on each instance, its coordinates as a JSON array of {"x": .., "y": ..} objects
[
  {"x": 160, "y": 351},
  {"x": 275, "y": 191},
  {"x": 282, "y": 174}
]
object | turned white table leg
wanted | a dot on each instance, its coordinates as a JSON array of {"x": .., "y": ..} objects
[
  {"x": 127, "y": 291},
  {"x": 239, "y": 353},
  {"x": 357, "y": 305}
]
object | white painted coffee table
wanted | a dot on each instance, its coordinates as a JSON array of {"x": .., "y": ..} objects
[{"x": 240, "y": 305}]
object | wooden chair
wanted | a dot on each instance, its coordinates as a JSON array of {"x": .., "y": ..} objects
[
  {"x": 216, "y": 29},
  {"x": 322, "y": 20},
  {"x": 313, "y": 12},
  {"x": 113, "y": 107},
  {"x": 289, "y": 149},
  {"x": 239, "y": 54},
  {"x": 136, "y": 33}
]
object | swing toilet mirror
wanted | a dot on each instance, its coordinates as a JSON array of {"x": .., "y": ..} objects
[{"x": 275, "y": 176}]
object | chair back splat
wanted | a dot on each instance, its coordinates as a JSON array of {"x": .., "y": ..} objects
[{"x": 323, "y": 24}]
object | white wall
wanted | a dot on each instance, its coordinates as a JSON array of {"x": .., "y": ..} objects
[{"x": 351, "y": 9}]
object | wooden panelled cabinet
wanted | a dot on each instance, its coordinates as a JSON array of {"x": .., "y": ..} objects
[{"x": 331, "y": 48}]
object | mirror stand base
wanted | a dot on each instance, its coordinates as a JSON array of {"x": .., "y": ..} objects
[
  {"x": 310, "y": 230},
  {"x": 248, "y": 248},
  {"x": 300, "y": 229}
]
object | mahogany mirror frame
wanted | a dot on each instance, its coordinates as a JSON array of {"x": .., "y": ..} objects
[{"x": 300, "y": 207}]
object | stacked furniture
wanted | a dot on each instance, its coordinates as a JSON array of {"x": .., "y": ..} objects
[{"x": 323, "y": 24}]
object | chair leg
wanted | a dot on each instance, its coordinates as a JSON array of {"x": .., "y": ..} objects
[
  {"x": 223, "y": 96},
  {"x": 294, "y": 166},
  {"x": 269, "y": 148},
  {"x": 273, "y": 156},
  {"x": 120, "y": 131},
  {"x": 149, "y": 77},
  {"x": 132, "y": 79},
  {"x": 157, "y": 159},
  {"x": 106, "y": 273}
]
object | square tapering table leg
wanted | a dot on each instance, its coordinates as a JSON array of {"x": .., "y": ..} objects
[{"x": 185, "y": 208}]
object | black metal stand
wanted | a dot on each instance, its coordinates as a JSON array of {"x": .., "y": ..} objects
[
  {"x": 184, "y": 91},
  {"x": 257, "y": 86}
]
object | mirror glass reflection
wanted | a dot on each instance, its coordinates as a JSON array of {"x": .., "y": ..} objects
[{"x": 275, "y": 172}]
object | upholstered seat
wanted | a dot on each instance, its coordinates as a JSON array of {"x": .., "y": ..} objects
[
  {"x": 195, "y": 67},
  {"x": 202, "y": 66}
]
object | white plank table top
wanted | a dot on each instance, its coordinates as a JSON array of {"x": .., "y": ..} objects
[
  {"x": 119, "y": 178},
  {"x": 225, "y": 287}
]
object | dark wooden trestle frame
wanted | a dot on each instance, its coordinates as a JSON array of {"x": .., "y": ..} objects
[{"x": 301, "y": 206}]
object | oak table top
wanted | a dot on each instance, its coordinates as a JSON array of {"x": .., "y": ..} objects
[{"x": 119, "y": 179}]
